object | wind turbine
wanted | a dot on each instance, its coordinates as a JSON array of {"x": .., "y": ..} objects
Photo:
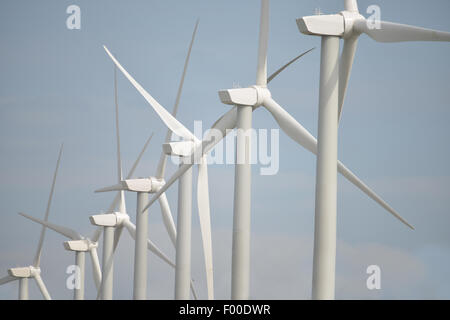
[
  {"x": 334, "y": 76},
  {"x": 255, "y": 96},
  {"x": 80, "y": 245},
  {"x": 114, "y": 222},
  {"x": 34, "y": 271},
  {"x": 153, "y": 184},
  {"x": 183, "y": 149}
]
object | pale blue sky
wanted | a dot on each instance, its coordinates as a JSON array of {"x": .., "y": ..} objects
[{"x": 57, "y": 85}]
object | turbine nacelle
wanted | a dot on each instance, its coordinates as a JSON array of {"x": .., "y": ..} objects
[
  {"x": 79, "y": 245},
  {"x": 109, "y": 219},
  {"x": 322, "y": 25},
  {"x": 147, "y": 185},
  {"x": 339, "y": 25},
  {"x": 24, "y": 272},
  {"x": 251, "y": 96}
]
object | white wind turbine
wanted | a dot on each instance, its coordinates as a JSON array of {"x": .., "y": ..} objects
[
  {"x": 34, "y": 271},
  {"x": 114, "y": 222},
  {"x": 153, "y": 184},
  {"x": 334, "y": 76},
  {"x": 80, "y": 245},
  {"x": 243, "y": 98}
]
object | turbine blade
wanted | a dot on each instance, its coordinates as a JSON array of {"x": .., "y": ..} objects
[
  {"x": 345, "y": 68},
  {"x": 261, "y": 71},
  {"x": 108, "y": 265},
  {"x": 172, "y": 123},
  {"x": 116, "y": 187},
  {"x": 194, "y": 293},
  {"x": 7, "y": 279},
  {"x": 96, "y": 269},
  {"x": 163, "y": 159},
  {"x": 291, "y": 127},
  {"x": 37, "y": 258},
  {"x": 276, "y": 73},
  {"x": 122, "y": 207},
  {"x": 117, "y": 234},
  {"x": 350, "y": 176},
  {"x": 205, "y": 223},
  {"x": 150, "y": 245},
  {"x": 138, "y": 159},
  {"x": 351, "y": 5},
  {"x": 42, "y": 286},
  {"x": 218, "y": 131},
  {"x": 299, "y": 134},
  {"x": 97, "y": 233},
  {"x": 67, "y": 232},
  {"x": 395, "y": 32},
  {"x": 168, "y": 218}
]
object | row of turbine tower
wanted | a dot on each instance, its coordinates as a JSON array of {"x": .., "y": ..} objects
[{"x": 335, "y": 69}]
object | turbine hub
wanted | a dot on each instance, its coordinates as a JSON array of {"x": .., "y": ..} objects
[{"x": 349, "y": 20}]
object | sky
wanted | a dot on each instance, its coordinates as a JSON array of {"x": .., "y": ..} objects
[{"x": 56, "y": 85}]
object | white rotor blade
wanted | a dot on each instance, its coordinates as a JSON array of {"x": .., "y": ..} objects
[
  {"x": 351, "y": 5},
  {"x": 223, "y": 125},
  {"x": 138, "y": 159},
  {"x": 205, "y": 223},
  {"x": 165, "y": 116},
  {"x": 299, "y": 134},
  {"x": 163, "y": 159},
  {"x": 96, "y": 269},
  {"x": 150, "y": 245},
  {"x": 261, "y": 72},
  {"x": 42, "y": 286},
  {"x": 122, "y": 207},
  {"x": 67, "y": 232},
  {"x": 7, "y": 279},
  {"x": 168, "y": 218},
  {"x": 395, "y": 32},
  {"x": 350, "y": 176},
  {"x": 193, "y": 290},
  {"x": 97, "y": 233},
  {"x": 291, "y": 127},
  {"x": 108, "y": 265},
  {"x": 345, "y": 68},
  {"x": 117, "y": 234},
  {"x": 37, "y": 258},
  {"x": 276, "y": 73}
]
